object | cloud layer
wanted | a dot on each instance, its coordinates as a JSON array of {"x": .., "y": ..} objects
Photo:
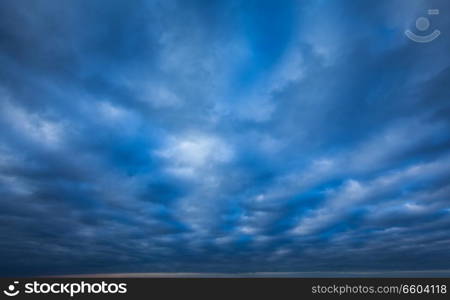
[{"x": 222, "y": 136}]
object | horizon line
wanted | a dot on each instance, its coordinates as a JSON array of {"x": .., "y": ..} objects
[{"x": 323, "y": 274}]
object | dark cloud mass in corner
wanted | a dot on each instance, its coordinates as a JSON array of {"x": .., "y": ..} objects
[{"x": 223, "y": 136}]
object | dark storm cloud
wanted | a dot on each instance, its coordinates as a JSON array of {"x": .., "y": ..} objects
[{"x": 222, "y": 136}]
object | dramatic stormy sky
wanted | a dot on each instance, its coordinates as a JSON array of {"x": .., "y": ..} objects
[{"x": 223, "y": 136}]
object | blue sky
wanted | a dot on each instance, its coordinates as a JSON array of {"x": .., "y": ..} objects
[{"x": 223, "y": 136}]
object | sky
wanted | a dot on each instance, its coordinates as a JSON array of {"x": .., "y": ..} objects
[{"x": 223, "y": 136}]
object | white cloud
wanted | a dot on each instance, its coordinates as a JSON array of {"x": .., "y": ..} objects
[
  {"x": 35, "y": 127},
  {"x": 392, "y": 141},
  {"x": 159, "y": 96},
  {"x": 111, "y": 112},
  {"x": 193, "y": 155},
  {"x": 341, "y": 201}
]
